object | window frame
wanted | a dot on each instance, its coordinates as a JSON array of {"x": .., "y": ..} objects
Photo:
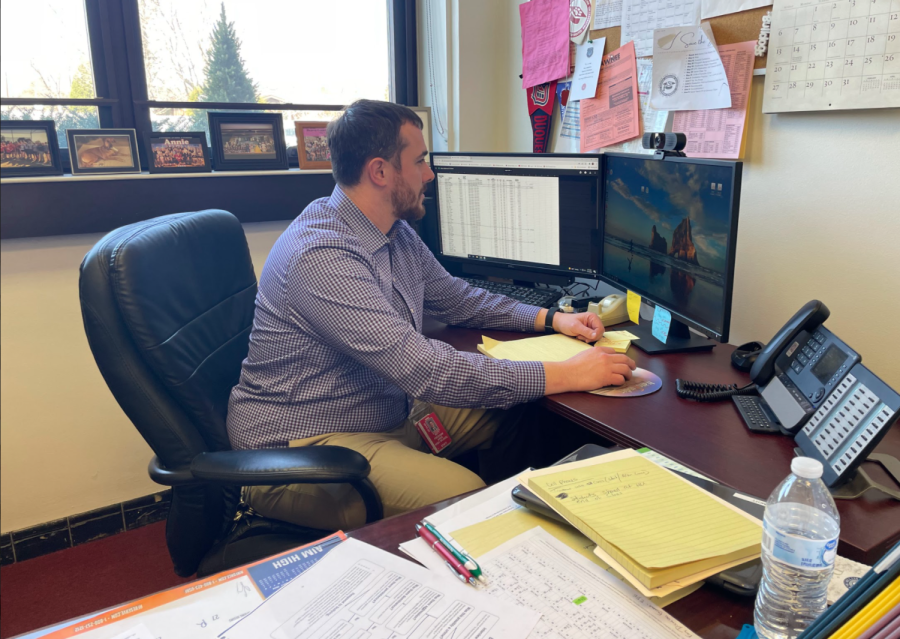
[{"x": 117, "y": 62}]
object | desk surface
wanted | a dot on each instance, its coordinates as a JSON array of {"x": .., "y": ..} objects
[{"x": 710, "y": 438}]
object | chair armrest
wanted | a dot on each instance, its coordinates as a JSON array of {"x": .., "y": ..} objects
[{"x": 281, "y": 466}]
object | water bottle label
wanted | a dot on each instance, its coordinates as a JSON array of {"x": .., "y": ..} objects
[{"x": 810, "y": 554}]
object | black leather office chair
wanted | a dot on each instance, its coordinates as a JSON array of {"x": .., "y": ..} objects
[{"x": 168, "y": 306}]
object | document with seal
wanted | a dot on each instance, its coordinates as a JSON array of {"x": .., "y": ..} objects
[
  {"x": 358, "y": 590},
  {"x": 688, "y": 73}
]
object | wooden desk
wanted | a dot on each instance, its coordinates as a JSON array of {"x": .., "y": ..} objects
[
  {"x": 710, "y": 438},
  {"x": 711, "y": 613}
]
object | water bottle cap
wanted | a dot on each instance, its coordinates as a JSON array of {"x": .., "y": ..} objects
[{"x": 806, "y": 467}]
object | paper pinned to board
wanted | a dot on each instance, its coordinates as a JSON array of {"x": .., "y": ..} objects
[
  {"x": 722, "y": 133},
  {"x": 612, "y": 116},
  {"x": 545, "y": 41},
  {"x": 581, "y": 16},
  {"x": 688, "y": 73},
  {"x": 608, "y": 14},
  {"x": 641, "y": 17},
  {"x": 714, "y": 8},
  {"x": 587, "y": 69},
  {"x": 652, "y": 120}
]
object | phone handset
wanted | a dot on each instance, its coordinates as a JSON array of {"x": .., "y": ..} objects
[{"x": 809, "y": 318}]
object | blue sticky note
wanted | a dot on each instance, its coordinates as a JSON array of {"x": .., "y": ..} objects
[
  {"x": 662, "y": 319},
  {"x": 747, "y": 632}
]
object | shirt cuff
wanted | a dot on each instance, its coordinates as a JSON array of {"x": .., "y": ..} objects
[
  {"x": 523, "y": 317},
  {"x": 531, "y": 383}
]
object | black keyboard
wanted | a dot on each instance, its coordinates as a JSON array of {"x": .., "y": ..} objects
[
  {"x": 534, "y": 296},
  {"x": 756, "y": 417}
]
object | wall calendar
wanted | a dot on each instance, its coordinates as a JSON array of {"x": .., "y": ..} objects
[{"x": 834, "y": 54}]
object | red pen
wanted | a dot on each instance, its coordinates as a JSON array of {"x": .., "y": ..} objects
[{"x": 445, "y": 554}]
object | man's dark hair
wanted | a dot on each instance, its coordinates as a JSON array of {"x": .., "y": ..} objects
[{"x": 366, "y": 129}]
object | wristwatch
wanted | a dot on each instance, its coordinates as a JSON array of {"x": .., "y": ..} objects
[{"x": 548, "y": 320}]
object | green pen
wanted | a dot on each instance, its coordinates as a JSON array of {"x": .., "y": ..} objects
[{"x": 470, "y": 564}]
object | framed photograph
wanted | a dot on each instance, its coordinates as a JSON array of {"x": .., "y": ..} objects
[
  {"x": 29, "y": 148},
  {"x": 177, "y": 152},
  {"x": 425, "y": 114},
  {"x": 312, "y": 145},
  {"x": 103, "y": 151},
  {"x": 247, "y": 141}
]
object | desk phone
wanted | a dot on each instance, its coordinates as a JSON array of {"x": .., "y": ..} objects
[{"x": 812, "y": 385}]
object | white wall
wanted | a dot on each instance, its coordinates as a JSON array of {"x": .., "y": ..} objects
[
  {"x": 820, "y": 210},
  {"x": 65, "y": 446}
]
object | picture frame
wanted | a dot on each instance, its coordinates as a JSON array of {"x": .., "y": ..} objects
[
  {"x": 177, "y": 152},
  {"x": 103, "y": 151},
  {"x": 312, "y": 148},
  {"x": 247, "y": 141},
  {"x": 424, "y": 112},
  {"x": 29, "y": 148}
]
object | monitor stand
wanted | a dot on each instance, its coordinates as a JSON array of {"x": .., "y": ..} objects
[{"x": 680, "y": 339}]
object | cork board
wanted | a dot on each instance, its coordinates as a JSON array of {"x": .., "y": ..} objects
[{"x": 728, "y": 29}]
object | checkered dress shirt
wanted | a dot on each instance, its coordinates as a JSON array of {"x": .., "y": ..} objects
[{"x": 336, "y": 344}]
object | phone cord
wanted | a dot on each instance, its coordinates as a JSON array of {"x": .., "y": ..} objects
[{"x": 701, "y": 392}]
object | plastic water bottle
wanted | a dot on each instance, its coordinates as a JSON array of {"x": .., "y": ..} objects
[{"x": 800, "y": 536}]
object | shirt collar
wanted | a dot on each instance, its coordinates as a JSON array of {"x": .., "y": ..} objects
[{"x": 369, "y": 236}]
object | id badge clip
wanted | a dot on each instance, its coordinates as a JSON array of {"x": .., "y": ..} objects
[{"x": 430, "y": 427}]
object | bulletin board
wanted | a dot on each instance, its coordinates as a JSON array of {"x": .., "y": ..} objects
[{"x": 728, "y": 29}]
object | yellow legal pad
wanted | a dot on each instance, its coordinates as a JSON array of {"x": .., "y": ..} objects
[
  {"x": 657, "y": 526},
  {"x": 547, "y": 348}
]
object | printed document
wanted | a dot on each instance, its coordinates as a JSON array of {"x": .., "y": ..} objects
[
  {"x": 651, "y": 119},
  {"x": 358, "y": 590},
  {"x": 576, "y": 597},
  {"x": 713, "y": 8},
  {"x": 608, "y": 14},
  {"x": 612, "y": 116},
  {"x": 641, "y": 17},
  {"x": 720, "y": 133},
  {"x": 545, "y": 41},
  {"x": 688, "y": 73},
  {"x": 587, "y": 69}
]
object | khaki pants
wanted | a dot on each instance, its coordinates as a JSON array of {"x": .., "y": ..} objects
[{"x": 405, "y": 473}]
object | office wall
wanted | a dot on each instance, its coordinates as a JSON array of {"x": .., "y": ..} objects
[
  {"x": 65, "y": 446},
  {"x": 820, "y": 214}
]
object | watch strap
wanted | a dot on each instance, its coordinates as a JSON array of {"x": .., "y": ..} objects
[{"x": 548, "y": 320}]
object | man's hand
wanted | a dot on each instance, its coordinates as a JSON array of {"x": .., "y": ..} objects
[
  {"x": 585, "y": 326},
  {"x": 589, "y": 370}
]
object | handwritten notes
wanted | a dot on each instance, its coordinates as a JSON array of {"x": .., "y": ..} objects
[
  {"x": 545, "y": 41},
  {"x": 612, "y": 116},
  {"x": 721, "y": 133},
  {"x": 656, "y": 518},
  {"x": 633, "y": 301},
  {"x": 662, "y": 320}
]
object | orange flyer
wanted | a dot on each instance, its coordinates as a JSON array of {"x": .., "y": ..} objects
[
  {"x": 613, "y": 114},
  {"x": 208, "y": 602}
]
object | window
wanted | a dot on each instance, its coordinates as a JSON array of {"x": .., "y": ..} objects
[{"x": 154, "y": 65}]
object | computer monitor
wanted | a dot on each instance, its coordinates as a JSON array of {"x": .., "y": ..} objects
[
  {"x": 669, "y": 234},
  {"x": 523, "y": 216}
]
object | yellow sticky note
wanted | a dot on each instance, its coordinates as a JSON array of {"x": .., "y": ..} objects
[
  {"x": 619, "y": 345},
  {"x": 648, "y": 519},
  {"x": 634, "y": 307},
  {"x": 620, "y": 335}
]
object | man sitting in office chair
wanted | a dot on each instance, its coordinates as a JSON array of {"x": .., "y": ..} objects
[{"x": 336, "y": 352}]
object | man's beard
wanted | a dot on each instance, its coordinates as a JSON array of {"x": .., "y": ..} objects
[{"x": 406, "y": 202}]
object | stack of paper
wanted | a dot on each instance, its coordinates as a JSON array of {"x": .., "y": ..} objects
[
  {"x": 657, "y": 530},
  {"x": 618, "y": 340}
]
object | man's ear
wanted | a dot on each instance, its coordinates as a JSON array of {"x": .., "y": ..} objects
[{"x": 376, "y": 169}]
